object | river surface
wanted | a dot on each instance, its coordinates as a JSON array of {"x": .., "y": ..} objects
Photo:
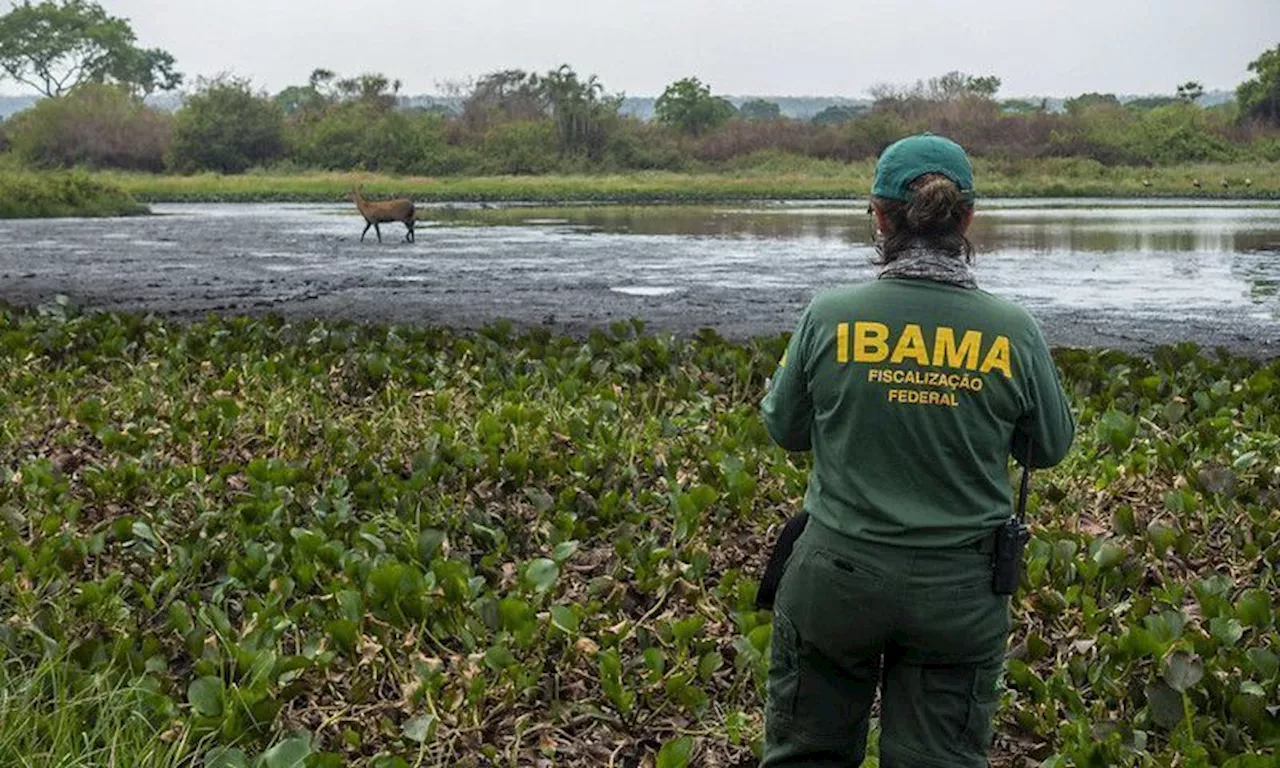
[{"x": 1127, "y": 274}]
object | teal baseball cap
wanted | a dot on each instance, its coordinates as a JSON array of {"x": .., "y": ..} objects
[{"x": 908, "y": 159}]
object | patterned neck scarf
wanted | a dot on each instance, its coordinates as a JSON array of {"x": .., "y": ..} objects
[{"x": 921, "y": 262}]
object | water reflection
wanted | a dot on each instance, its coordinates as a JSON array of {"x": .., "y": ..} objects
[
  {"x": 1128, "y": 255},
  {"x": 1205, "y": 227}
]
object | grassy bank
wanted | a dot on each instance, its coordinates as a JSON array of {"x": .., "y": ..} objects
[
  {"x": 29, "y": 195},
  {"x": 393, "y": 548},
  {"x": 780, "y": 177}
]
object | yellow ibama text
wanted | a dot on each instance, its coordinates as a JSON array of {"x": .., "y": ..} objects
[{"x": 875, "y": 343}]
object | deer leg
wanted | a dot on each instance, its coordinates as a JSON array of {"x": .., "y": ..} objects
[
  {"x": 378, "y": 229},
  {"x": 366, "y": 230},
  {"x": 408, "y": 235}
]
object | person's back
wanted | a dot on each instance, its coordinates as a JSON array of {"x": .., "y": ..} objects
[
  {"x": 912, "y": 392},
  {"x": 916, "y": 388}
]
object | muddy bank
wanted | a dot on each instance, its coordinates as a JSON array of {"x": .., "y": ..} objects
[{"x": 572, "y": 274}]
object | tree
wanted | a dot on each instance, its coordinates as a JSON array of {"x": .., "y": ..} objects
[
  {"x": 511, "y": 94},
  {"x": 226, "y": 127},
  {"x": 56, "y": 46},
  {"x": 760, "y": 111},
  {"x": 987, "y": 86},
  {"x": 100, "y": 126},
  {"x": 582, "y": 112},
  {"x": 836, "y": 115},
  {"x": 311, "y": 99},
  {"x": 957, "y": 85},
  {"x": 1190, "y": 91},
  {"x": 374, "y": 90},
  {"x": 1086, "y": 100},
  {"x": 1151, "y": 102},
  {"x": 689, "y": 106},
  {"x": 1260, "y": 97}
]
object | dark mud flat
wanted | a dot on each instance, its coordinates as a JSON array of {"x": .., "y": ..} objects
[{"x": 1103, "y": 275}]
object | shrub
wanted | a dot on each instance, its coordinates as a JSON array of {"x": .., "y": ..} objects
[
  {"x": 99, "y": 126},
  {"x": 226, "y": 127},
  {"x": 355, "y": 136},
  {"x": 48, "y": 195},
  {"x": 522, "y": 147},
  {"x": 636, "y": 145}
]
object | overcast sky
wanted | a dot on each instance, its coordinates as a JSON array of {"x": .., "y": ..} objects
[{"x": 774, "y": 47}]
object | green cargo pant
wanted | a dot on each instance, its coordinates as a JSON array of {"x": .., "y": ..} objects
[{"x": 922, "y": 624}]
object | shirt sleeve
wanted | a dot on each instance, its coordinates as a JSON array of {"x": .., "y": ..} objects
[
  {"x": 788, "y": 406},
  {"x": 1047, "y": 425}
]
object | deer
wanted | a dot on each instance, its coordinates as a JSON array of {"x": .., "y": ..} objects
[{"x": 384, "y": 212}]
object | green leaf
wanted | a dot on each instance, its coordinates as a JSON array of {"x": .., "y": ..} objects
[
  {"x": 226, "y": 758},
  {"x": 542, "y": 574},
  {"x": 1174, "y": 411},
  {"x": 541, "y": 500},
  {"x": 205, "y": 696},
  {"x": 1165, "y": 704},
  {"x": 345, "y": 633},
  {"x": 686, "y": 629},
  {"x": 1122, "y": 521},
  {"x": 1109, "y": 555},
  {"x": 676, "y": 753},
  {"x": 1254, "y": 608},
  {"x": 1264, "y": 662},
  {"x": 1117, "y": 430},
  {"x": 430, "y": 542},
  {"x": 499, "y": 657},
  {"x": 565, "y": 619},
  {"x": 1251, "y": 761},
  {"x": 760, "y": 637},
  {"x": 709, "y": 664},
  {"x": 1226, "y": 631},
  {"x": 1162, "y": 537},
  {"x": 1181, "y": 501},
  {"x": 143, "y": 531},
  {"x": 564, "y": 550},
  {"x": 1251, "y": 688},
  {"x": 420, "y": 729},
  {"x": 290, "y": 753},
  {"x": 655, "y": 661},
  {"x": 1183, "y": 670}
]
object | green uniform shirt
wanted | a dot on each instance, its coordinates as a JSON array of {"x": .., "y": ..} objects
[{"x": 912, "y": 394}]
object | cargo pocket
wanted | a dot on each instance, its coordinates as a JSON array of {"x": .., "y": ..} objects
[
  {"x": 984, "y": 700},
  {"x": 784, "y": 677}
]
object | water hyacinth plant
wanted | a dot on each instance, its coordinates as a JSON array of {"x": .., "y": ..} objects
[{"x": 255, "y": 543}]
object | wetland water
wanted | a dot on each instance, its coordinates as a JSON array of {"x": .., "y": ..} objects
[{"x": 1127, "y": 274}]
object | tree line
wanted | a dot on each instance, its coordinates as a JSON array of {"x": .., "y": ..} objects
[{"x": 95, "y": 79}]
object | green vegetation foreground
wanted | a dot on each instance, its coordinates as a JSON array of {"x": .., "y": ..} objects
[
  {"x": 765, "y": 177},
  {"x": 257, "y": 542},
  {"x": 26, "y": 195}
]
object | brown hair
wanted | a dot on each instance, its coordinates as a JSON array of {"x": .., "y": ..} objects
[{"x": 935, "y": 216}]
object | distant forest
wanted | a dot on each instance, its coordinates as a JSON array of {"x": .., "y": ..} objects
[{"x": 642, "y": 107}]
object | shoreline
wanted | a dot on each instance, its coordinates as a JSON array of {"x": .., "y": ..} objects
[{"x": 818, "y": 181}]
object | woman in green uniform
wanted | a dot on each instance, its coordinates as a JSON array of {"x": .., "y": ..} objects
[{"x": 912, "y": 391}]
